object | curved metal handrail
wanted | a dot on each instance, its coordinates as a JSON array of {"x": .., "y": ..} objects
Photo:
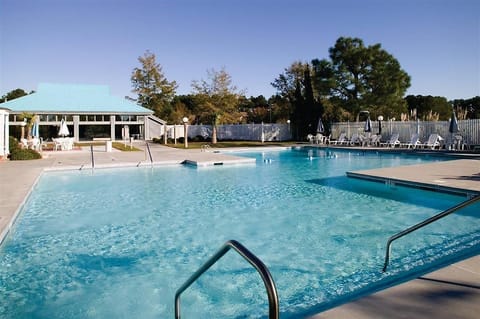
[
  {"x": 425, "y": 223},
  {"x": 91, "y": 157},
  {"x": 149, "y": 153},
  {"x": 273, "y": 304}
]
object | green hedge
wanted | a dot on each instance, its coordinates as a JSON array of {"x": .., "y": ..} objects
[{"x": 19, "y": 154}]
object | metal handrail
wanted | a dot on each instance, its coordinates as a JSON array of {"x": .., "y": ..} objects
[
  {"x": 273, "y": 304},
  {"x": 425, "y": 223},
  {"x": 149, "y": 153},
  {"x": 91, "y": 152}
]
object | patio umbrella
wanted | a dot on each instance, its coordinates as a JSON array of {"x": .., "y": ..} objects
[
  {"x": 453, "y": 128},
  {"x": 63, "y": 129},
  {"x": 35, "y": 130},
  {"x": 320, "y": 127},
  {"x": 368, "y": 125}
]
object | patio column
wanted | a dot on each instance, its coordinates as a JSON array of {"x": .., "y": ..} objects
[
  {"x": 76, "y": 129},
  {"x": 4, "y": 142},
  {"x": 112, "y": 127}
]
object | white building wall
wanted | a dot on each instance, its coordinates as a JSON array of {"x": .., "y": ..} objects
[{"x": 4, "y": 133}]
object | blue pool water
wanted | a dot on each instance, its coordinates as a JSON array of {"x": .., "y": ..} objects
[{"x": 118, "y": 243}]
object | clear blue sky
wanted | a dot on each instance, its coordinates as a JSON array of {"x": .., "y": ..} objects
[{"x": 437, "y": 42}]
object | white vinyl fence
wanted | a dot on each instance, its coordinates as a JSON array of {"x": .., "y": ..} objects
[
  {"x": 468, "y": 129},
  {"x": 242, "y": 132}
]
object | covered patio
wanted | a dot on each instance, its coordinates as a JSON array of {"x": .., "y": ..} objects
[{"x": 89, "y": 112}]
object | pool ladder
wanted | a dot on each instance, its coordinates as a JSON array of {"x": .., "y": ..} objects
[
  {"x": 273, "y": 306},
  {"x": 430, "y": 220}
]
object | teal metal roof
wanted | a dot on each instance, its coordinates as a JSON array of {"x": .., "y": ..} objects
[{"x": 73, "y": 98}]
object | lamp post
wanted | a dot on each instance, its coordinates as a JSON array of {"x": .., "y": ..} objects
[
  {"x": 185, "y": 131},
  {"x": 290, "y": 134},
  {"x": 380, "y": 119}
]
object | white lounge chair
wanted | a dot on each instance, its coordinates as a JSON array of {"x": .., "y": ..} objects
[
  {"x": 433, "y": 141},
  {"x": 392, "y": 141},
  {"x": 414, "y": 142},
  {"x": 373, "y": 140},
  {"x": 319, "y": 138},
  {"x": 356, "y": 139},
  {"x": 341, "y": 139},
  {"x": 310, "y": 138}
]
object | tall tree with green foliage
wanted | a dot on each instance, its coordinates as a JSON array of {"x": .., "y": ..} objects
[
  {"x": 360, "y": 77},
  {"x": 13, "y": 95},
  {"x": 217, "y": 99},
  {"x": 428, "y": 108},
  {"x": 294, "y": 85},
  {"x": 467, "y": 109},
  {"x": 154, "y": 91}
]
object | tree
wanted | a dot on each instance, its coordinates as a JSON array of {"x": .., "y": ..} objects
[
  {"x": 294, "y": 85},
  {"x": 154, "y": 91},
  {"x": 428, "y": 108},
  {"x": 13, "y": 95},
  {"x": 217, "y": 99},
  {"x": 255, "y": 109},
  {"x": 361, "y": 78},
  {"x": 467, "y": 109}
]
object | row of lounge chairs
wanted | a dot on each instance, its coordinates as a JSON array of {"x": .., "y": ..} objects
[{"x": 434, "y": 141}]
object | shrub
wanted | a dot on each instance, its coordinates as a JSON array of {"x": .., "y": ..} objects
[
  {"x": 13, "y": 144},
  {"x": 19, "y": 154},
  {"x": 158, "y": 140},
  {"x": 198, "y": 138},
  {"x": 24, "y": 154}
]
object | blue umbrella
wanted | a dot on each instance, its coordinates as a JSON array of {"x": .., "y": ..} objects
[
  {"x": 35, "y": 130},
  {"x": 368, "y": 125},
  {"x": 453, "y": 128},
  {"x": 320, "y": 127}
]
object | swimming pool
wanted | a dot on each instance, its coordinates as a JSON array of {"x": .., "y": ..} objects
[{"x": 118, "y": 243}]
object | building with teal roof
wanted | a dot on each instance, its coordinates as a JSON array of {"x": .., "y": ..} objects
[{"x": 90, "y": 112}]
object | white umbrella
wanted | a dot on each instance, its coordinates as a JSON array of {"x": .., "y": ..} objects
[{"x": 63, "y": 129}]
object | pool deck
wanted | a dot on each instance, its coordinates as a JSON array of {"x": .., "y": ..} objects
[
  {"x": 452, "y": 292},
  {"x": 456, "y": 176}
]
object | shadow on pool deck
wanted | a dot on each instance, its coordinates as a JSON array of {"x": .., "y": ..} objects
[{"x": 452, "y": 292}]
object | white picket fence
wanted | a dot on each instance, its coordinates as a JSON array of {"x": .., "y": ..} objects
[
  {"x": 239, "y": 132},
  {"x": 468, "y": 129}
]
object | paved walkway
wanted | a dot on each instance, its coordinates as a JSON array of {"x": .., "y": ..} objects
[
  {"x": 462, "y": 175},
  {"x": 453, "y": 292}
]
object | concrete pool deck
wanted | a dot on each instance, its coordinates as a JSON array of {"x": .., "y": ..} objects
[{"x": 452, "y": 292}]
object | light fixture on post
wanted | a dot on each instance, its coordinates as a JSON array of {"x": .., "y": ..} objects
[
  {"x": 290, "y": 134},
  {"x": 380, "y": 119},
  {"x": 185, "y": 131}
]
